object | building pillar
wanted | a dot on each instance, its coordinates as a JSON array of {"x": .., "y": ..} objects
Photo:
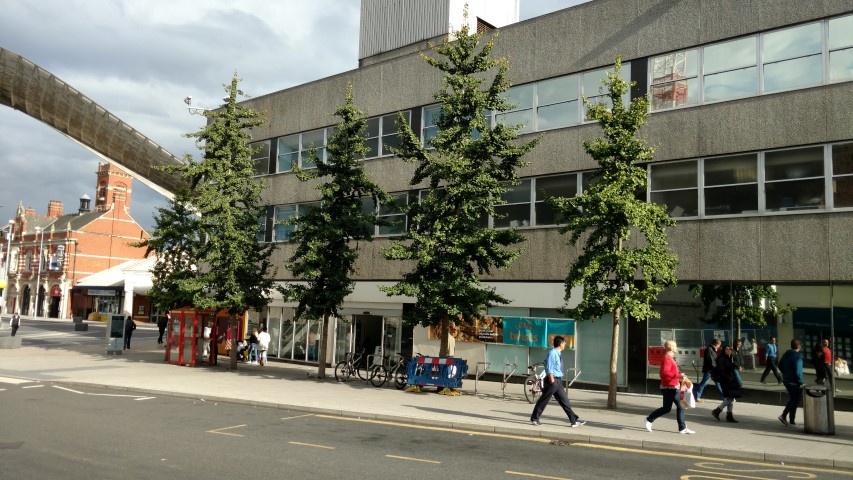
[{"x": 127, "y": 304}]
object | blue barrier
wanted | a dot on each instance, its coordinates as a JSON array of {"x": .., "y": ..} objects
[{"x": 446, "y": 372}]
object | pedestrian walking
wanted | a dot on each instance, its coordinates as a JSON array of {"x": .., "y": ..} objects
[
  {"x": 670, "y": 378},
  {"x": 738, "y": 360},
  {"x": 791, "y": 365},
  {"x": 263, "y": 344},
  {"x": 129, "y": 327},
  {"x": 15, "y": 323},
  {"x": 825, "y": 364},
  {"x": 725, "y": 378},
  {"x": 553, "y": 386},
  {"x": 708, "y": 364},
  {"x": 253, "y": 347},
  {"x": 162, "y": 322},
  {"x": 770, "y": 353}
]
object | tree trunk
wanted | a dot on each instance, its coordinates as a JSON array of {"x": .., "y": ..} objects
[
  {"x": 614, "y": 354},
  {"x": 321, "y": 354},
  {"x": 445, "y": 335}
]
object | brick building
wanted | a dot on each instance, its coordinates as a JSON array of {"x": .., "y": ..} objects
[{"x": 72, "y": 247}]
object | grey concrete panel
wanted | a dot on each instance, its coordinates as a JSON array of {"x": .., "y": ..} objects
[
  {"x": 779, "y": 127},
  {"x": 671, "y": 25},
  {"x": 729, "y": 249},
  {"x": 795, "y": 248},
  {"x": 560, "y": 150},
  {"x": 723, "y": 19},
  {"x": 674, "y": 134},
  {"x": 608, "y": 29},
  {"x": 683, "y": 240},
  {"x": 545, "y": 255},
  {"x": 839, "y": 228},
  {"x": 407, "y": 83},
  {"x": 839, "y": 105},
  {"x": 553, "y": 37},
  {"x": 776, "y": 13},
  {"x": 729, "y": 127}
]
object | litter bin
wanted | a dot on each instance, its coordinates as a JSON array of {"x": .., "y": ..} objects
[{"x": 818, "y": 409}]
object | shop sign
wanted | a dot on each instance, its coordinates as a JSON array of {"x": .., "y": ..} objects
[
  {"x": 101, "y": 293},
  {"x": 55, "y": 291}
]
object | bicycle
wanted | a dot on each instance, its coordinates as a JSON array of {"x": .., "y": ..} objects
[
  {"x": 379, "y": 374},
  {"x": 353, "y": 365},
  {"x": 533, "y": 382}
]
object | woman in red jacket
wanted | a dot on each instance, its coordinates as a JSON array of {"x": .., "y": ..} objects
[{"x": 669, "y": 379}]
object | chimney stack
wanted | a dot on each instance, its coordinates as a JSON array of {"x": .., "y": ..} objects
[
  {"x": 54, "y": 209},
  {"x": 84, "y": 205}
]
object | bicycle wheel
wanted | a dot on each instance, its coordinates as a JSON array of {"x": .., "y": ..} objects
[
  {"x": 342, "y": 371},
  {"x": 532, "y": 390},
  {"x": 378, "y": 375},
  {"x": 362, "y": 371},
  {"x": 401, "y": 376}
]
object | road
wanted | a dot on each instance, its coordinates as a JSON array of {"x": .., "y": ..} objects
[{"x": 48, "y": 431}]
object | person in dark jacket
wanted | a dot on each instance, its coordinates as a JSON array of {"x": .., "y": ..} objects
[
  {"x": 791, "y": 366},
  {"x": 708, "y": 364},
  {"x": 162, "y": 322},
  {"x": 129, "y": 327},
  {"x": 724, "y": 375}
]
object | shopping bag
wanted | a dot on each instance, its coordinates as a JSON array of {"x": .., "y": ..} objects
[{"x": 686, "y": 394}]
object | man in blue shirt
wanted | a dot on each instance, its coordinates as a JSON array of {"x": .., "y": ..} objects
[
  {"x": 770, "y": 361},
  {"x": 552, "y": 385},
  {"x": 792, "y": 373}
]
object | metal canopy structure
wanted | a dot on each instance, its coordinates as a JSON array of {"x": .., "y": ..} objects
[{"x": 38, "y": 93}]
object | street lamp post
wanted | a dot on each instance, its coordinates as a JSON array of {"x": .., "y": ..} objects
[
  {"x": 6, "y": 266},
  {"x": 40, "y": 232}
]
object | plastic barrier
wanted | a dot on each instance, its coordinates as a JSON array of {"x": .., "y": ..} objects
[
  {"x": 446, "y": 372},
  {"x": 656, "y": 356}
]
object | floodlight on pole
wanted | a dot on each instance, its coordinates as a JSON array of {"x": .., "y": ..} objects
[{"x": 199, "y": 110}]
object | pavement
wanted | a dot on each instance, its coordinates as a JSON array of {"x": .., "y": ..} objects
[{"x": 492, "y": 409}]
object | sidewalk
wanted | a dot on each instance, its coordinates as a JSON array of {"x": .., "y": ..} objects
[{"x": 758, "y": 437}]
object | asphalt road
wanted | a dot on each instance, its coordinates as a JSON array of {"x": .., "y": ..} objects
[{"x": 51, "y": 431}]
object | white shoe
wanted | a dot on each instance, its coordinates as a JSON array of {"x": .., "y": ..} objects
[
  {"x": 687, "y": 431},
  {"x": 648, "y": 425}
]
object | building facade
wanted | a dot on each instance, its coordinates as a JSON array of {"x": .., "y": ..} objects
[
  {"x": 50, "y": 253},
  {"x": 754, "y": 160}
]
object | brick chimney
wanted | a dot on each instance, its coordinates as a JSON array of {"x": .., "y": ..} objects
[
  {"x": 30, "y": 212},
  {"x": 54, "y": 209}
]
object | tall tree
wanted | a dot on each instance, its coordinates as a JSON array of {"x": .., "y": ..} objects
[
  {"x": 607, "y": 214},
  {"x": 328, "y": 236},
  {"x": 232, "y": 270},
  {"x": 468, "y": 166},
  {"x": 740, "y": 304}
]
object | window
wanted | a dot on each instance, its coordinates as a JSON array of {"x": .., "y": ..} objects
[
  {"x": 288, "y": 153},
  {"x": 730, "y": 70},
  {"x": 282, "y": 230},
  {"x": 842, "y": 175},
  {"x": 841, "y": 49},
  {"x": 28, "y": 265},
  {"x": 594, "y": 91},
  {"x": 556, "y": 186},
  {"x": 393, "y": 213},
  {"x": 315, "y": 139},
  {"x": 514, "y": 210},
  {"x": 262, "y": 227},
  {"x": 390, "y": 131},
  {"x": 371, "y": 138},
  {"x": 557, "y": 102},
  {"x": 731, "y": 185},
  {"x": 430, "y": 123},
  {"x": 521, "y": 99},
  {"x": 675, "y": 185},
  {"x": 261, "y": 157},
  {"x": 793, "y": 58},
  {"x": 794, "y": 179},
  {"x": 675, "y": 81}
]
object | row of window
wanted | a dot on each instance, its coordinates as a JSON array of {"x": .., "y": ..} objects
[
  {"x": 790, "y": 58},
  {"x": 757, "y": 183}
]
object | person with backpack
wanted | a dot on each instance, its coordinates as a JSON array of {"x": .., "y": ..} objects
[{"x": 15, "y": 323}]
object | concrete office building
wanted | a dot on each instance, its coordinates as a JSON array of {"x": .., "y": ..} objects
[{"x": 751, "y": 110}]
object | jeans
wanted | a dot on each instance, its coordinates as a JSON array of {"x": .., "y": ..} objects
[
  {"x": 670, "y": 396},
  {"x": 770, "y": 364},
  {"x": 793, "y": 401},
  {"x": 253, "y": 352},
  {"x": 701, "y": 387}
]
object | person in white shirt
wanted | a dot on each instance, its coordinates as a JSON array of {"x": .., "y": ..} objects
[{"x": 263, "y": 344}]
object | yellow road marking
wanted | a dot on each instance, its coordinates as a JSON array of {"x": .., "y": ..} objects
[
  {"x": 311, "y": 445},
  {"x": 219, "y": 431},
  {"x": 297, "y": 416},
  {"x": 707, "y": 461},
  {"x": 534, "y": 475},
  {"x": 412, "y": 459},
  {"x": 439, "y": 429}
]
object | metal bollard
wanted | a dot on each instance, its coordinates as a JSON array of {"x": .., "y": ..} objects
[
  {"x": 506, "y": 377},
  {"x": 478, "y": 373}
]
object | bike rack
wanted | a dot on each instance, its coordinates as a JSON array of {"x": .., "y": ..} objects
[
  {"x": 506, "y": 377},
  {"x": 478, "y": 373},
  {"x": 578, "y": 374}
]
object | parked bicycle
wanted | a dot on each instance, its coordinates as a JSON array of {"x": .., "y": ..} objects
[
  {"x": 352, "y": 365},
  {"x": 379, "y": 374},
  {"x": 533, "y": 382}
]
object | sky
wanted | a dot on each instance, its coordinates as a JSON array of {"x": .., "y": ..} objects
[{"x": 140, "y": 58}]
